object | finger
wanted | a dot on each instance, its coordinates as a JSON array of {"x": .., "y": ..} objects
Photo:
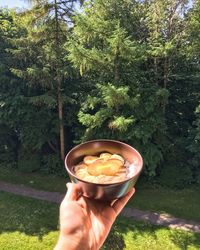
[
  {"x": 121, "y": 202},
  {"x": 73, "y": 192}
]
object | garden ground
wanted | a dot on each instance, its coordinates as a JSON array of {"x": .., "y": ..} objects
[
  {"x": 148, "y": 216},
  {"x": 28, "y": 223},
  {"x": 182, "y": 203}
]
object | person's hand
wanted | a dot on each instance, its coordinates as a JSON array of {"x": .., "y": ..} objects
[{"x": 85, "y": 223}]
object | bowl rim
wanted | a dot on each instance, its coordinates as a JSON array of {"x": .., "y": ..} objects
[{"x": 103, "y": 140}]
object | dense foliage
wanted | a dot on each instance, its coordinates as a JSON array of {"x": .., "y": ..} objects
[{"x": 126, "y": 70}]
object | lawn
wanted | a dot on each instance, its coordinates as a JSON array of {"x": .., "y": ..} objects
[
  {"x": 183, "y": 203},
  {"x": 32, "y": 224},
  {"x": 34, "y": 180}
]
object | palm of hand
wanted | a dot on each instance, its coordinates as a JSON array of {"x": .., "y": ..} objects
[{"x": 85, "y": 221}]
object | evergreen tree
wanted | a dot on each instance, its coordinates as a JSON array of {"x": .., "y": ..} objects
[
  {"x": 9, "y": 91},
  {"x": 42, "y": 57},
  {"x": 136, "y": 79},
  {"x": 122, "y": 103},
  {"x": 193, "y": 51},
  {"x": 166, "y": 29}
]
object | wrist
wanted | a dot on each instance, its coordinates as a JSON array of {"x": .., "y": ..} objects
[
  {"x": 68, "y": 242},
  {"x": 62, "y": 244}
]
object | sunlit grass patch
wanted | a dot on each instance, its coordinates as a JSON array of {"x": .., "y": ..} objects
[{"x": 27, "y": 224}]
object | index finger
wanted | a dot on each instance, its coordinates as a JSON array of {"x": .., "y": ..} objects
[{"x": 73, "y": 192}]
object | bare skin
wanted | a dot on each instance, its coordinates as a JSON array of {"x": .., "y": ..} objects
[{"x": 86, "y": 223}]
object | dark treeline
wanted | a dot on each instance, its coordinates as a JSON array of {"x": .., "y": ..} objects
[{"x": 118, "y": 69}]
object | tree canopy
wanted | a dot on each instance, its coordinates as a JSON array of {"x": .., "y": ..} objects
[{"x": 127, "y": 70}]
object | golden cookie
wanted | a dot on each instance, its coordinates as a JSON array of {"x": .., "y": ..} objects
[
  {"x": 119, "y": 157},
  {"x": 101, "y": 167},
  {"x": 105, "y": 156},
  {"x": 89, "y": 159}
]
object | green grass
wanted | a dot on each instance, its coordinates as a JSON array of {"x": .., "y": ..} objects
[
  {"x": 130, "y": 235},
  {"x": 183, "y": 203},
  {"x": 27, "y": 223},
  {"x": 32, "y": 224},
  {"x": 34, "y": 180},
  {"x": 180, "y": 203}
]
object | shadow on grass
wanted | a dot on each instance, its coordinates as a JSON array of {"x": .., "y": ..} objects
[
  {"x": 34, "y": 180},
  {"x": 37, "y": 218},
  {"x": 183, "y": 242},
  {"x": 181, "y": 203},
  {"x": 115, "y": 240},
  {"x": 129, "y": 234},
  {"x": 26, "y": 215}
]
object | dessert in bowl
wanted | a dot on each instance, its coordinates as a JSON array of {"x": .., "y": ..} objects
[{"x": 105, "y": 169}]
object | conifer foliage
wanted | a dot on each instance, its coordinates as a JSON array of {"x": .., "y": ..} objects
[{"x": 127, "y": 70}]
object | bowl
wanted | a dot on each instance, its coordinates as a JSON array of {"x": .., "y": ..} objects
[{"x": 109, "y": 191}]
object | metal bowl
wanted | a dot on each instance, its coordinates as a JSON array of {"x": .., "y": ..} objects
[{"x": 109, "y": 191}]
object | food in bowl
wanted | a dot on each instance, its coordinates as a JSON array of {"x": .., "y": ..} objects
[
  {"x": 109, "y": 188},
  {"x": 105, "y": 168}
]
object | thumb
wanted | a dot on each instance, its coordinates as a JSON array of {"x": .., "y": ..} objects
[{"x": 73, "y": 191}]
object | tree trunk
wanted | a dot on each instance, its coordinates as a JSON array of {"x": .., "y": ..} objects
[
  {"x": 61, "y": 125},
  {"x": 59, "y": 82}
]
